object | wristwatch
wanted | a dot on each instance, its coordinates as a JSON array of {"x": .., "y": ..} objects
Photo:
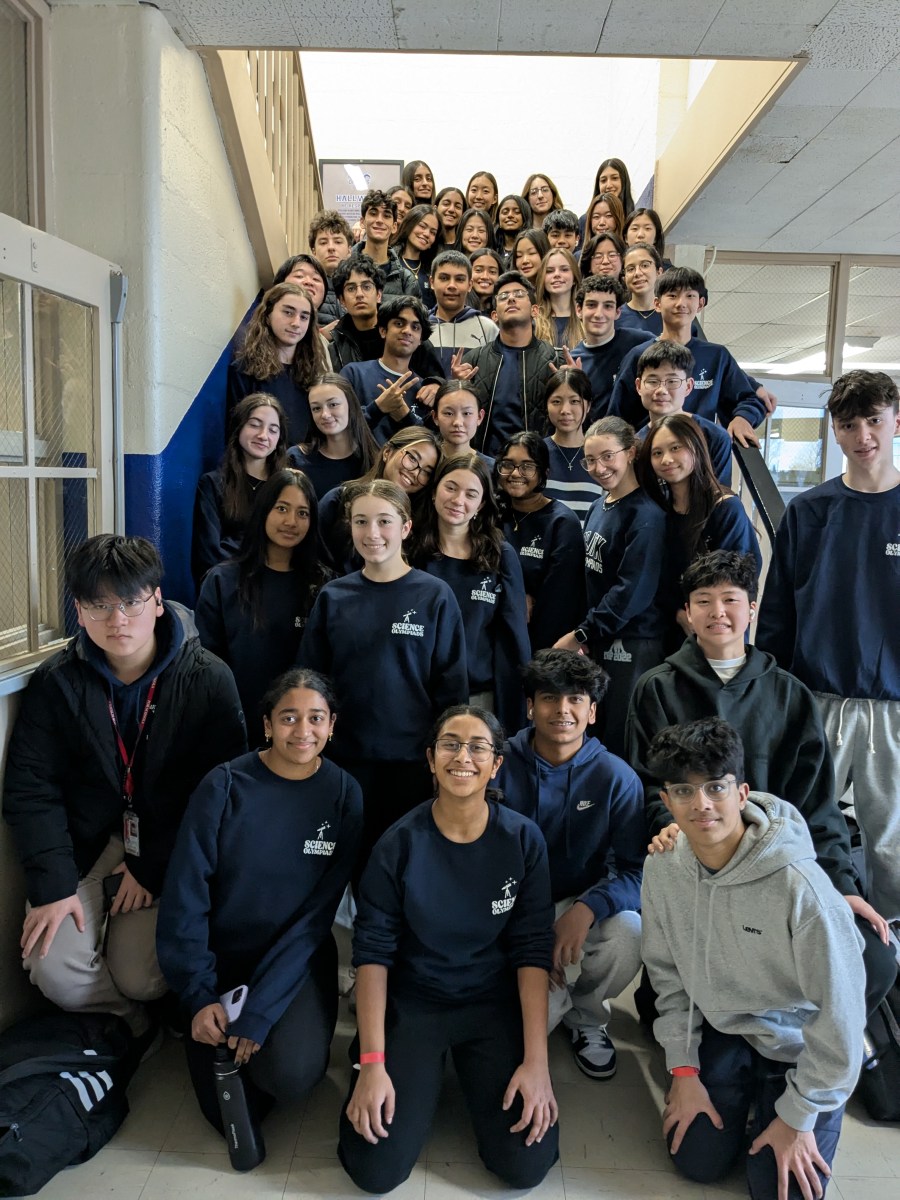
[{"x": 580, "y": 636}]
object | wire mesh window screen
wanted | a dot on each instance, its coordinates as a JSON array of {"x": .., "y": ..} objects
[
  {"x": 14, "y": 635},
  {"x": 872, "y": 340},
  {"x": 772, "y": 317},
  {"x": 64, "y": 407},
  {"x": 49, "y": 489},
  {"x": 64, "y": 520},
  {"x": 14, "y": 198},
  {"x": 12, "y": 393}
]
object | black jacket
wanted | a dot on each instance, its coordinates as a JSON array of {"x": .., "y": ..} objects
[
  {"x": 399, "y": 280},
  {"x": 534, "y": 372},
  {"x": 63, "y": 787},
  {"x": 785, "y": 751}
]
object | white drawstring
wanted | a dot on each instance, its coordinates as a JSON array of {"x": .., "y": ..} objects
[
  {"x": 871, "y": 727},
  {"x": 840, "y": 728}
]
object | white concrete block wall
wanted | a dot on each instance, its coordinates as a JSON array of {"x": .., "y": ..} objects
[{"x": 140, "y": 176}]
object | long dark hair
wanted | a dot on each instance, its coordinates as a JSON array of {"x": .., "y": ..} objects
[
  {"x": 484, "y": 528},
  {"x": 258, "y": 355},
  {"x": 524, "y": 208},
  {"x": 414, "y": 217},
  {"x": 363, "y": 441},
  {"x": 407, "y": 178},
  {"x": 491, "y": 210},
  {"x": 299, "y": 677},
  {"x": 577, "y": 381},
  {"x": 309, "y": 573},
  {"x": 704, "y": 489},
  {"x": 237, "y": 500},
  {"x": 625, "y": 197},
  {"x": 659, "y": 241},
  {"x": 538, "y": 239},
  {"x": 470, "y": 215}
]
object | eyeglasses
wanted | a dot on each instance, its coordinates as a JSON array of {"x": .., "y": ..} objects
[
  {"x": 713, "y": 789},
  {"x": 479, "y": 751},
  {"x": 352, "y": 288},
  {"x": 605, "y": 459},
  {"x": 672, "y": 384},
  {"x": 133, "y": 607},
  {"x": 606, "y": 258},
  {"x": 527, "y": 470},
  {"x": 413, "y": 464},
  {"x": 539, "y": 191},
  {"x": 518, "y": 294}
]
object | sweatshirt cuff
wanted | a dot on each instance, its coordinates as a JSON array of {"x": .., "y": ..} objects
[
  {"x": 251, "y": 1025},
  {"x": 677, "y": 1056},
  {"x": 795, "y": 1113}
]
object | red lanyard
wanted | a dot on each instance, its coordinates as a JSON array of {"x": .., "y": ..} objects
[{"x": 128, "y": 782}]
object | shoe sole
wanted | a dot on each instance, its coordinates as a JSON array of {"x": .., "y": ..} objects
[{"x": 596, "y": 1073}]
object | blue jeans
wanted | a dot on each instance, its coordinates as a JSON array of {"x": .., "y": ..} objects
[{"x": 736, "y": 1076}]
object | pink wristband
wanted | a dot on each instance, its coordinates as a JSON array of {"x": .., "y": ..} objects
[
  {"x": 683, "y": 1072},
  {"x": 374, "y": 1056}
]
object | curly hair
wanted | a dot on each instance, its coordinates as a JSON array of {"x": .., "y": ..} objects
[{"x": 258, "y": 355}]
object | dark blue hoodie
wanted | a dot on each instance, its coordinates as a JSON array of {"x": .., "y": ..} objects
[{"x": 590, "y": 805}]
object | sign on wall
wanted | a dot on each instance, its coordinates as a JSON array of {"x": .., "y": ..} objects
[{"x": 346, "y": 181}]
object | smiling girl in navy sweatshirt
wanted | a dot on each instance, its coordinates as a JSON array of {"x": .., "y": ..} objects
[{"x": 453, "y": 944}]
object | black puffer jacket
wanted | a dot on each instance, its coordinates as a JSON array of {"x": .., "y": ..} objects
[{"x": 63, "y": 787}]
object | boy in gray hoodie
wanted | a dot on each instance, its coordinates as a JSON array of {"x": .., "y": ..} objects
[{"x": 755, "y": 959}]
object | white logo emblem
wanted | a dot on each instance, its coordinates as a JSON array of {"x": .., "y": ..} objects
[
  {"x": 532, "y": 551},
  {"x": 499, "y": 907},
  {"x": 700, "y": 380},
  {"x": 593, "y": 544},
  {"x": 406, "y": 627},
  {"x": 892, "y": 549},
  {"x": 318, "y": 845},
  {"x": 583, "y": 804},
  {"x": 484, "y": 592}
]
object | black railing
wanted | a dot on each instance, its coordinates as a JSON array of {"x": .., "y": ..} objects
[{"x": 763, "y": 489}]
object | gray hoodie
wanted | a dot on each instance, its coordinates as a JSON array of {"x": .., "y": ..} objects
[{"x": 765, "y": 948}]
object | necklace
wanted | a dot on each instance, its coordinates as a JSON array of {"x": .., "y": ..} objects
[
  {"x": 412, "y": 265},
  {"x": 520, "y": 518},
  {"x": 570, "y": 462},
  {"x": 643, "y": 313}
]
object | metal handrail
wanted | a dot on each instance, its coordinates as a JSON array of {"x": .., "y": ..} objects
[{"x": 762, "y": 487}]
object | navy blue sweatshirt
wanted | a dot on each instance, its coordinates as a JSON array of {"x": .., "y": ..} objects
[
  {"x": 325, "y": 473},
  {"x": 493, "y": 610},
  {"x": 454, "y": 921},
  {"x": 569, "y": 481},
  {"x": 830, "y": 605},
  {"x": 721, "y": 389},
  {"x": 294, "y": 398},
  {"x": 588, "y": 808},
  {"x": 396, "y": 655},
  {"x": 253, "y": 886},
  {"x": 717, "y": 441},
  {"x": 216, "y": 537},
  {"x": 256, "y": 655},
  {"x": 367, "y": 380},
  {"x": 550, "y": 546},
  {"x": 624, "y": 557},
  {"x": 601, "y": 365}
]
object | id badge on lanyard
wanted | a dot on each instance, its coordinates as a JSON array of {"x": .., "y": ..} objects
[{"x": 131, "y": 825}]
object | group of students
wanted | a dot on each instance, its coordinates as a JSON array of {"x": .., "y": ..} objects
[{"x": 410, "y": 616}]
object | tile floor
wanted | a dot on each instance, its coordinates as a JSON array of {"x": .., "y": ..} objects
[{"x": 610, "y": 1146}]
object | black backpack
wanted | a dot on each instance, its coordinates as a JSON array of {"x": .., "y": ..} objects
[
  {"x": 879, "y": 1081},
  {"x": 62, "y": 1094}
]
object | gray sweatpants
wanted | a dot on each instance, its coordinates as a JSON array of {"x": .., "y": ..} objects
[
  {"x": 78, "y": 977},
  {"x": 610, "y": 959},
  {"x": 864, "y": 737}
]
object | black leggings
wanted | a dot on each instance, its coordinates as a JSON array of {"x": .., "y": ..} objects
[
  {"x": 485, "y": 1040},
  {"x": 294, "y": 1056}
]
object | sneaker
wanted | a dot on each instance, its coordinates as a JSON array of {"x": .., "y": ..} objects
[{"x": 594, "y": 1052}]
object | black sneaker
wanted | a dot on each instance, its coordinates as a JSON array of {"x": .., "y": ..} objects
[{"x": 594, "y": 1052}]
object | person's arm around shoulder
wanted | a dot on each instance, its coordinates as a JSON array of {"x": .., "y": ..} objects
[{"x": 646, "y": 716}]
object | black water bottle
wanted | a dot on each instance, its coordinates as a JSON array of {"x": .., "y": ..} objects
[{"x": 246, "y": 1148}]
